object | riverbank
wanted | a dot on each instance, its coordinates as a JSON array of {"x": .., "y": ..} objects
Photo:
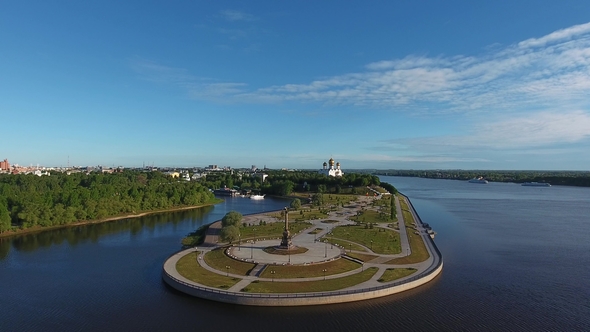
[
  {"x": 555, "y": 178},
  {"x": 39, "y": 229}
]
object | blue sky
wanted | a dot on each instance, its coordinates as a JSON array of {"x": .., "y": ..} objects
[{"x": 379, "y": 84}]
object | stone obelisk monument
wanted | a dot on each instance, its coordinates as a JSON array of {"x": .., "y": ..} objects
[{"x": 286, "y": 240}]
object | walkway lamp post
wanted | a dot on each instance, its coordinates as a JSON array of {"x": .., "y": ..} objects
[
  {"x": 407, "y": 251},
  {"x": 324, "y": 270},
  {"x": 350, "y": 247},
  {"x": 227, "y": 270},
  {"x": 252, "y": 249},
  {"x": 325, "y": 248},
  {"x": 239, "y": 241},
  {"x": 371, "y": 245},
  {"x": 272, "y": 273}
]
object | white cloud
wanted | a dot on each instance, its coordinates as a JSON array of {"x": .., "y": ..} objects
[
  {"x": 541, "y": 129},
  {"x": 216, "y": 89},
  {"x": 155, "y": 72},
  {"x": 196, "y": 87},
  {"x": 370, "y": 159},
  {"x": 544, "y": 73},
  {"x": 548, "y": 71},
  {"x": 234, "y": 15},
  {"x": 559, "y": 35},
  {"x": 537, "y": 130}
]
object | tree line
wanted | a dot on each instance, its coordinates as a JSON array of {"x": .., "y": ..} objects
[
  {"x": 60, "y": 199},
  {"x": 565, "y": 178},
  {"x": 283, "y": 183}
]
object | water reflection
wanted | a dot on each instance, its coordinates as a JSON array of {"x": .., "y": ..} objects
[
  {"x": 93, "y": 232},
  {"x": 4, "y": 248}
]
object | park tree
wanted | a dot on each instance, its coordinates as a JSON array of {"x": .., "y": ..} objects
[
  {"x": 296, "y": 204},
  {"x": 317, "y": 199},
  {"x": 232, "y": 218},
  {"x": 229, "y": 233},
  {"x": 5, "y": 220},
  {"x": 393, "y": 209}
]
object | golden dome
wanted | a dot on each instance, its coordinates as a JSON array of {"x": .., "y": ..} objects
[
  {"x": 331, "y": 162},
  {"x": 338, "y": 164}
]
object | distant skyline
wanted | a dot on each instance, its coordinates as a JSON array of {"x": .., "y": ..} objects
[{"x": 380, "y": 85}]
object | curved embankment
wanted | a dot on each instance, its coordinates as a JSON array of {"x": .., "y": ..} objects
[{"x": 175, "y": 280}]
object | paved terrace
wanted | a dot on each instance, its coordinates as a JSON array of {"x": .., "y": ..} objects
[{"x": 317, "y": 252}]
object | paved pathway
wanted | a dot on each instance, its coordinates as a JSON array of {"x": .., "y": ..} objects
[{"x": 317, "y": 251}]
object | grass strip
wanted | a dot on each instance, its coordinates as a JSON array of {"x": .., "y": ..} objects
[
  {"x": 379, "y": 240},
  {"x": 189, "y": 267},
  {"x": 311, "y": 286},
  {"x": 419, "y": 251},
  {"x": 345, "y": 244},
  {"x": 362, "y": 257},
  {"x": 392, "y": 274},
  {"x": 309, "y": 271},
  {"x": 218, "y": 260},
  {"x": 274, "y": 229},
  {"x": 372, "y": 216}
]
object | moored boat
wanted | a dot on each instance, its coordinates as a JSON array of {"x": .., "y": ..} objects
[{"x": 478, "y": 180}]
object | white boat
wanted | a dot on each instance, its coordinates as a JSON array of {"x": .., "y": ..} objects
[
  {"x": 536, "y": 184},
  {"x": 478, "y": 180},
  {"x": 256, "y": 196}
]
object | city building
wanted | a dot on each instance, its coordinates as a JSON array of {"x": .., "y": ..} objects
[{"x": 4, "y": 165}]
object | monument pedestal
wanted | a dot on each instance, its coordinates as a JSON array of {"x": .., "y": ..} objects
[{"x": 286, "y": 242}]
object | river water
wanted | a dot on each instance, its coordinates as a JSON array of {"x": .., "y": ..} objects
[{"x": 515, "y": 258}]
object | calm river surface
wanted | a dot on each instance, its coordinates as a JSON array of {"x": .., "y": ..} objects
[{"x": 516, "y": 258}]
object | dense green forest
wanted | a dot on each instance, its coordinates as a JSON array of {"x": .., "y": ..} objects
[
  {"x": 283, "y": 183},
  {"x": 565, "y": 178},
  {"x": 28, "y": 200}
]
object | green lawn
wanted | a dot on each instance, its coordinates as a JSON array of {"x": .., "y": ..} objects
[
  {"x": 394, "y": 274},
  {"x": 308, "y": 271},
  {"x": 385, "y": 201},
  {"x": 189, "y": 267},
  {"x": 337, "y": 199},
  {"x": 307, "y": 214},
  {"x": 372, "y": 216},
  {"x": 274, "y": 229},
  {"x": 218, "y": 260},
  {"x": 310, "y": 286},
  {"x": 385, "y": 241},
  {"x": 419, "y": 251},
  {"x": 345, "y": 244}
]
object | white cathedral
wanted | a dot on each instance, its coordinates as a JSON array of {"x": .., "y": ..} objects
[{"x": 332, "y": 171}]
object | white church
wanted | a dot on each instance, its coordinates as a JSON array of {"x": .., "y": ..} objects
[{"x": 332, "y": 171}]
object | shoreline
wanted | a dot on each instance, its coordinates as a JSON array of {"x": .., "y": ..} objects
[
  {"x": 546, "y": 180},
  {"x": 39, "y": 229}
]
